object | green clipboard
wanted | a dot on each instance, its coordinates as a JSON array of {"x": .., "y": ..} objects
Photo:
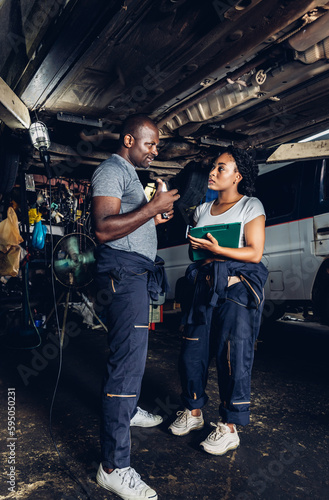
[{"x": 227, "y": 235}]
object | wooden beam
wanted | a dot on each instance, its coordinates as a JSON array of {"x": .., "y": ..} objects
[
  {"x": 157, "y": 172},
  {"x": 68, "y": 151},
  {"x": 300, "y": 151},
  {"x": 13, "y": 111},
  {"x": 61, "y": 153},
  {"x": 166, "y": 164}
]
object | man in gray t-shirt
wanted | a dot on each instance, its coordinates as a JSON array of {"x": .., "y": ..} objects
[
  {"x": 117, "y": 178},
  {"x": 124, "y": 223}
]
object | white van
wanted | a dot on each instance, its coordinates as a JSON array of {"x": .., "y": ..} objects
[{"x": 296, "y": 200}]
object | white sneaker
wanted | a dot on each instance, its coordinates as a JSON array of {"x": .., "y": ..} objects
[
  {"x": 145, "y": 419},
  {"x": 186, "y": 422},
  {"x": 125, "y": 483},
  {"x": 221, "y": 439}
]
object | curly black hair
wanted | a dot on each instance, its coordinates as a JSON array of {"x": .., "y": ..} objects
[{"x": 247, "y": 167}]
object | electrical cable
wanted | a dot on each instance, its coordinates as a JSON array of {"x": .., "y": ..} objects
[
  {"x": 31, "y": 315},
  {"x": 68, "y": 470},
  {"x": 32, "y": 320},
  {"x": 37, "y": 332}
]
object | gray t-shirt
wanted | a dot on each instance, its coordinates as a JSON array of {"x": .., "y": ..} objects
[{"x": 118, "y": 178}]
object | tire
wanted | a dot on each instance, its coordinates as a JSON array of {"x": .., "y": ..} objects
[
  {"x": 9, "y": 161},
  {"x": 324, "y": 311},
  {"x": 192, "y": 184}
]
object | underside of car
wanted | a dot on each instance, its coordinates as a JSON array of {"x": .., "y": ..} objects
[{"x": 253, "y": 73}]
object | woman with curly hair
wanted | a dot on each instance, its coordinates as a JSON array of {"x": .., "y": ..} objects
[{"x": 227, "y": 304}]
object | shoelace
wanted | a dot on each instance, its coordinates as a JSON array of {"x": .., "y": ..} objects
[
  {"x": 181, "y": 415},
  {"x": 131, "y": 478},
  {"x": 145, "y": 413},
  {"x": 220, "y": 430}
]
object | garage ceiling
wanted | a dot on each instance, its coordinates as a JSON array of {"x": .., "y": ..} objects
[{"x": 250, "y": 72}]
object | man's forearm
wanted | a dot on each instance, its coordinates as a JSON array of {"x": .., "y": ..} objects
[{"x": 113, "y": 227}]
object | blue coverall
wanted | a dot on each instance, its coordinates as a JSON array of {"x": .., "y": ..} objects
[
  {"x": 126, "y": 281},
  {"x": 233, "y": 315}
]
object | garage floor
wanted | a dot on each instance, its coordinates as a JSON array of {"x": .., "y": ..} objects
[{"x": 284, "y": 452}]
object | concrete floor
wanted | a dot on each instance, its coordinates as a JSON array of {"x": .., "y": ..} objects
[{"x": 283, "y": 454}]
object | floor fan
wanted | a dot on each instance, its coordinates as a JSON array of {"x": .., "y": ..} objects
[{"x": 73, "y": 267}]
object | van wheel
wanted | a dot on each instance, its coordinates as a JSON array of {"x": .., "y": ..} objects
[
  {"x": 320, "y": 294},
  {"x": 321, "y": 306},
  {"x": 324, "y": 312}
]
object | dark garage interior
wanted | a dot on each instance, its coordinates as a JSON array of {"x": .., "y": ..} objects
[{"x": 247, "y": 73}]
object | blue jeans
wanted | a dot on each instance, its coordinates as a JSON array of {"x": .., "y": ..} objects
[{"x": 235, "y": 326}]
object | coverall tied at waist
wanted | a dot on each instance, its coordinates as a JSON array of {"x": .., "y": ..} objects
[
  {"x": 119, "y": 264},
  {"x": 126, "y": 281},
  {"x": 231, "y": 315}
]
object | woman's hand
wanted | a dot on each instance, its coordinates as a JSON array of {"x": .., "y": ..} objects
[{"x": 211, "y": 244}]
